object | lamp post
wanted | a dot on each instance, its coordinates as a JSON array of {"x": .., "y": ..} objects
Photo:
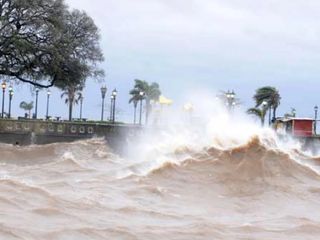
[
  {"x": 141, "y": 93},
  {"x": 114, "y": 94},
  {"x": 10, "y": 99},
  {"x": 48, "y": 97},
  {"x": 3, "y": 85},
  {"x": 103, "y": 95},
  {"x": 315, "y": 119},
  {"x": 188, "y": 107},
  {"x": 36, "y": 107},
  {"x": 111, "y": 107},
  {"x": 264, "y": 103},
  {"x": 264, "y": 109},
  {"x": 81, "y": 102},
  {"x": 267, "y": 107},
  {"x": 230, "y": 99}
]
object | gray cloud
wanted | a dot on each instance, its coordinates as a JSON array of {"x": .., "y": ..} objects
[{"x": 216, "y": 44}]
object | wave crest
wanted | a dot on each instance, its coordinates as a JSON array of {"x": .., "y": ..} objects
[{"x": 257, "y": 159}]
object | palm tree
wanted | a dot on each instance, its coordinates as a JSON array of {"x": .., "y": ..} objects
[
  {"x": 73, "y": 95},
  {"x": 151, "y": 93},
  {"x": 135, "y": 98},
  {"x": 270, "y": 95},
  {"x": 27, "y": 107},
  {"x": 259, "y": 112}
]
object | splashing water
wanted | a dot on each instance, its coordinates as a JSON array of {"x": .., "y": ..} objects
[{"x": 219, "y": 177}]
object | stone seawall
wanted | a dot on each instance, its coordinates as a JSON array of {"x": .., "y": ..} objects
[{"x": 25, "y": 132}]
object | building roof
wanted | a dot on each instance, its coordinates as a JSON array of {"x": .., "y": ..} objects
[{"x": 294, "y": 119}]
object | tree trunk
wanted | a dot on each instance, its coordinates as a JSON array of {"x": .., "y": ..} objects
[
  {"x": 274, "y": 113},
  {"x": 269, "y": 116},
  {"x": 70, "y": 109},
  {"x": 135, "y": 114},
  {"x": 148, "y": 109}
]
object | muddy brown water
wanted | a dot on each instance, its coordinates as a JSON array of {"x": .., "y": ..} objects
[{"x": 82, "y": 190}]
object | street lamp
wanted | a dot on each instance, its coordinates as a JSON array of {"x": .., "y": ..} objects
[
  {"x": 264, "y": 109},
  {"x": 232, "y": 95},
  {"x": 315, "y": 119},
  {"x": 111, "y": 107},
  {"x": 103, "y": 95},
  {"x": 264, "y": 104},
  {"x": 81, "y": 102},
  {"x": 3, "y": 85},
  {"x": 141, "y": 94},
  {"x": 36, "y": 108},
  {"x": 10, "y": 99},
  {"x": 230, "y": 99},
  {"x": 188, "y": 107},
  {"x": 47, "y": 111},
  {"x": 114, "y": 95}
]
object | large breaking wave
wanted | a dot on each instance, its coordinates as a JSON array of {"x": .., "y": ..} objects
[{"x": 214, "y": 181}]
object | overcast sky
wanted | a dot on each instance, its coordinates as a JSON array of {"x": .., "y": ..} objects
[{"x": 189, "y": 45}]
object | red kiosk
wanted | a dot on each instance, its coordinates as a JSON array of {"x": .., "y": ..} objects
[{"x": 297, "y": 127}]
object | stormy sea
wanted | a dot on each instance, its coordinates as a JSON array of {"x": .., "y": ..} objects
[{"x": 215, "y": 183}]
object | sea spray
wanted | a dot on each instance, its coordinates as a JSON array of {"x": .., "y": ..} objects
[{"x": 220, "y": 176}]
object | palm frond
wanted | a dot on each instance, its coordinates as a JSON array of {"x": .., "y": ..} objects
[{"x": 255, "y": 111}]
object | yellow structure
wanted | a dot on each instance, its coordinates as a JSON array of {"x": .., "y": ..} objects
[{"x": 165, "y": 101}]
